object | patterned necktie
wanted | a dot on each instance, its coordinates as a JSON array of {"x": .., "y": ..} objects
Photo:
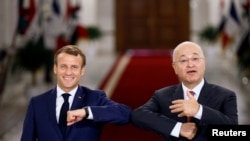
[
  {"x": 63, "y": 114},
  {"x": 193, "y": 93}
]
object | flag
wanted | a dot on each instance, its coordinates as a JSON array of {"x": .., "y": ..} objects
[
  {"x": 60, "y": 42},
  {"x": 233, "y": 12},
  {"x": 219, "y": 29},
  {"x": 27, "y": 10},
  {"x": 232, "y": 25},
  {"x": 243, "y": 53},
  {"x": 225, "y": 39},
  {"x": 233, "y": 21},
  {"x": 244, "y": 45},
  {"x": 56, "y": 7},
  {"x": 71, "y": 10},
  {"x": 80, "y": 32},
  {"x": 246, "y": 9}
]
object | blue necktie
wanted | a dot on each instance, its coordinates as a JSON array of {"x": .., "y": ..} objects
[{"x": 63, "y": 114}]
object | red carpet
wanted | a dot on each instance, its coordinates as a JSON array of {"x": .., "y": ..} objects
[{"x": 145, "y": 72}]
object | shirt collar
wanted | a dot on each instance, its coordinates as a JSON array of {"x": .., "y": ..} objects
[
  {"x": 60, "y": 91},
  {"x": 196, "y": 89}
]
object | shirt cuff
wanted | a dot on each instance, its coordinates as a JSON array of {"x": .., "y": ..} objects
[
  {"x": 176, "y": 130},
  {"x": 199, "y": 113},
  {"x": 90, "y": 113}
]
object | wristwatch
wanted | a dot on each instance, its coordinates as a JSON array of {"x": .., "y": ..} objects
[{"x": 86, "y": 112}]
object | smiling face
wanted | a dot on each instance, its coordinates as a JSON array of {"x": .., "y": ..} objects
[
  {"x": 189, "y": 63},
  {"x": 68, "y": 70}
]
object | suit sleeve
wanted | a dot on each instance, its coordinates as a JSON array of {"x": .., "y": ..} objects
[
  {"x": 149, "y": 117},
  {"x": 222, "y": 111},
  {"x": 109, "y": 111},
  {"x": 28, "y": 133}
]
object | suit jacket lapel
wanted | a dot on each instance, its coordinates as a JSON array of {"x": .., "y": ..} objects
[
  {"x": 52, "y": 106},
  {"x": 203, "y": 97},
  {"x": 52, "y": 110},
  {"x": 78, "y": 103},
  {"x": 79, "y": 99},
  {"x": 179, "y": 95}
]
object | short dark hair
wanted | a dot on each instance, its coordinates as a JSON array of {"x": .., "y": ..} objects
[{"x": 72, "y": 50}]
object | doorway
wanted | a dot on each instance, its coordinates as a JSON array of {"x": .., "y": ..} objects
[{"x": 151, "y": 24}]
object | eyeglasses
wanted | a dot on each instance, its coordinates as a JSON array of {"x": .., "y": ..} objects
[{"x": 185, "y": 61}]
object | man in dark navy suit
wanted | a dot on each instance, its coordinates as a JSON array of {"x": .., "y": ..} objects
[
  {"x": 95, "y": 108},
  {"x": 184, "y": 111}
]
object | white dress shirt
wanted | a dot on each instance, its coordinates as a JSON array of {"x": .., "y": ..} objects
[
  {"x": 60, "y": 100},
  {"x": 176, "y": 131}
]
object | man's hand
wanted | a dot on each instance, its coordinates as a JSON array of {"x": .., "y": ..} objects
[
  {"x": 74, "y": 116},
  {"x": 186, "y": 108},
  {"x": 188, "y": 130}
]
